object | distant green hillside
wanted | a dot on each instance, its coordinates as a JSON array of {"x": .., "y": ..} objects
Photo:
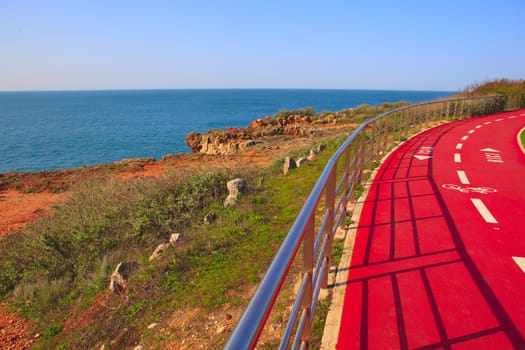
[{"x": 501, "y": 86}]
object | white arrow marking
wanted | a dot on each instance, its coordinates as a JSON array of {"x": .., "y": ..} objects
[
  {"x": 484, "y": 211},
  {"x": 489, "y": 150},
  {"x": 422, "y": 157},
  {"x": 520, "y": 261}
]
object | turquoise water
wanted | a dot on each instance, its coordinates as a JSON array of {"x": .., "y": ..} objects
[{"x": 66, "y": 129}]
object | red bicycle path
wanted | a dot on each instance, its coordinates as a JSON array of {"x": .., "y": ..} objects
[{"x": 437, "y": 267}]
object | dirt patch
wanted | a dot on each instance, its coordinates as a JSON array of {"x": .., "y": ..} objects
[
  {"x": 17, "y": 209},
  {"x": 13, "y": 331}
]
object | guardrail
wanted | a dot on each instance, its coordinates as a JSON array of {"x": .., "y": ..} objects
[{"x": 330, "y": 196}]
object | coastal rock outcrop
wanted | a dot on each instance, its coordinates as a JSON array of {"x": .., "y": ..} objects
[{"x": 233, "y": 140}]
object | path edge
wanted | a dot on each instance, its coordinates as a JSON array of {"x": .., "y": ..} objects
[{"x": 522, "y": 147}]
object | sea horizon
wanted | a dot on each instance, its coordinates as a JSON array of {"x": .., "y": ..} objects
[
  {"x": 226, "y": 88},
  {"x": 63, "y": 129}
]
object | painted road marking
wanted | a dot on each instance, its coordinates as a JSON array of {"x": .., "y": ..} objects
[
  {"x": 457, "y": 157},
  {"x": 492, "y": 155},
  {"x": 422, "y": 157},
  {"x": 478, "y": 126},
  {"x": 512, "y": 117},
  {"x": 463, "y": 177},
  {"x": 500, "y": 119},
  {"x": 484, "y": 211},
  {"x": 464, "y": 138},
  {"x": 471, "y": 131},
  {"x": 481, "y": 190},
  {"x": 487, "y": 123},
  {"x": 424, "y": 152},
  {"x": 522, "y": 115},
  {"x": 459, "y": 146},
  {"x": 520, "y": 261}
]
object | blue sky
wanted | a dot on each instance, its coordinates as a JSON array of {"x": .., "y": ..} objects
[{"x": 341, "y": 44}]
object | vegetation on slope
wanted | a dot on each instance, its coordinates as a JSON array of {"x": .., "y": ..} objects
[
  {"x": 56, "y": 271},
  {"x": 495, "y": 87}
]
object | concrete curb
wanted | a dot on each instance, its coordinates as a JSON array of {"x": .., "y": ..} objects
[{"x": 522, "y": 147}]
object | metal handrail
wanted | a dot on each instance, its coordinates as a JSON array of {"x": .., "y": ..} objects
[{"x": 358, "y": 153}]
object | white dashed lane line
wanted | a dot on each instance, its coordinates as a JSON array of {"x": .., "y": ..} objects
[
  {"x": 459, "y": 146},
  {"x": 463, "y": 177},
  {"x": 520, "y": 262},
  {"x": 500, "y": 119},
  {"x": 478, "y": 126},
  {"x": 457, "y": 158},
  {"x": 484, "y": 211},
  {"x": 471, "y": 131},
  {"x": 464, "y": 138}
]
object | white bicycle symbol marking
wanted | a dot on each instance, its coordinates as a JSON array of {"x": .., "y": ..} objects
[{"x": 482, "y": 190}]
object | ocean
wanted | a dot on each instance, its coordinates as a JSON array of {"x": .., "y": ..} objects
[{"x": 49, "y": 130}]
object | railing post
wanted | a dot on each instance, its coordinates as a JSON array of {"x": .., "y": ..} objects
[
  {"x": 385, "y": 136},
  {"x": 329, "y": 227},
  {"x": 427, "y": 116},
  {"x": 361, "y": 152},
  {"x": 407, "y": 118},
  {"x": 308, "y": 265},
  {"x": 374, "y": 148},
  {"x": 348, "y": 183},
  {"x": 355, "y": 168}
]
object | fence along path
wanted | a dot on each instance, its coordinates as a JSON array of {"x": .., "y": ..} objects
[{"x": 331, "y": 195}]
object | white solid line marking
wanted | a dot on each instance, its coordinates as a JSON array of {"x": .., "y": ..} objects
[
  {"x": 484, "y": 211},
  {"x": 459, "y": 146},
  {"x": 487, "y": 123},
  {"x": 478, "y": 126},
  {"x": 520, "y": 261},
  {"x": 463, "y": 177},
  {"x": 464, "y": 138},
  {"x": 457, "y": 157},
  {"x": 471, "y": 131},
  {"x": 500, "y": 119}
]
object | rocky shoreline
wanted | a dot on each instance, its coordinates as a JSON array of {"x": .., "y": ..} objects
[{"x": 234, "y": 140}]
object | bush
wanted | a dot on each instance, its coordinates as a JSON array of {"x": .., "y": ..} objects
[{"x": 63, "y": 252}]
